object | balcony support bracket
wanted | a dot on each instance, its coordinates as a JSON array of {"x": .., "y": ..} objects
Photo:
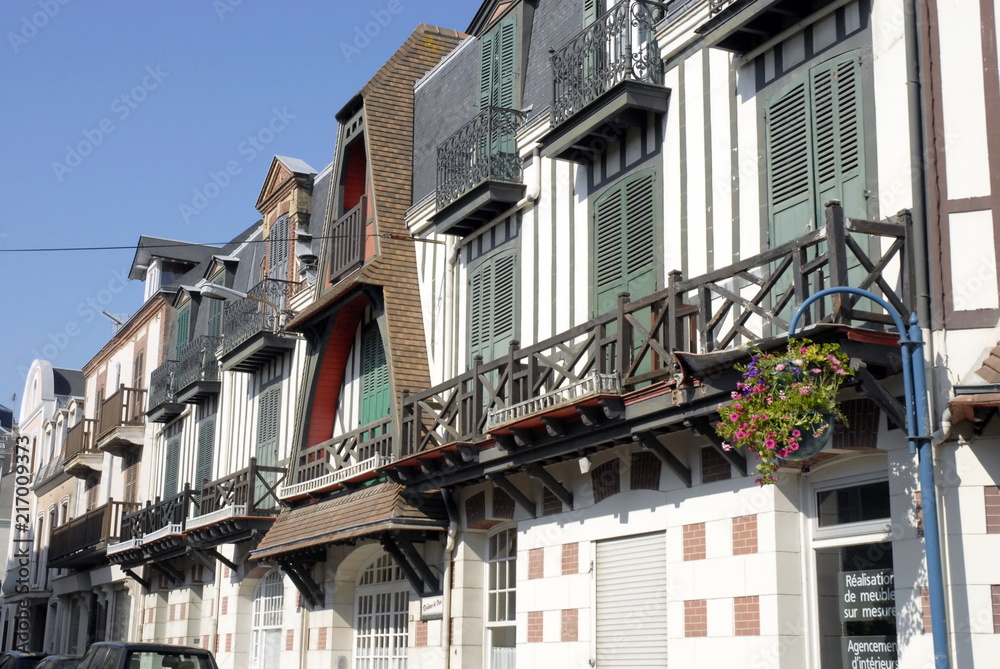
[
  {"x": 215, "y": 555},
  {"x": 393, "y": 549},
  {"x": 869, "y": 386},
  {"x": 430, "y": 580},
  {"x": 519, "y": 497},
  {"x": 299, "y": 573},
  {"x": 590, "y": 416},
  {"x": 556, "y": 427},
  {"x": 168, "y": 572},
  {"x": 651, "y": 443},
  {"x": 542, "y": 475},
  {"x": 703, "y": 427},
  {"x": 147, "y": 586}
]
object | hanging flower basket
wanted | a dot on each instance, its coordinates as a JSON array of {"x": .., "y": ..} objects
[{"x": 785, "y": 406}]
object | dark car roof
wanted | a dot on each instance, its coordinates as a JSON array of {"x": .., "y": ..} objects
[{"x": 153, "y": 647}]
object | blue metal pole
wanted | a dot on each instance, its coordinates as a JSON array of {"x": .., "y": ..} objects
[{"x": 911, "y": 345}]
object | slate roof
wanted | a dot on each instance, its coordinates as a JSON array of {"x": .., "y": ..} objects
[
  {"x": 171, "y": 249},
  {"x": 68, "y": 382}
]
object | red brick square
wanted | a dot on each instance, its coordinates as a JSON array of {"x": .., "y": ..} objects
[
  {"x": 695, "y": 618},
  {"x": 289, "y": 639},
  {"x": 694, "y": 542},
  {"x": 746, "y": 613},
  {"x": 229, "y": 642},
  {"x": 925, "y": 610},
  {"x": 995, "y": 595},
  {"x": 992, "y": 495},
  {"x": 225, "y": 605},
  {"x": 570, "y": 624},
  {"x": 570, "y": 558},
  {"x": 420, "y": 636},
  {"x": 535, "y": 619},
  {"x": 744, "y": 535},
  {"x": 536, "y": 563},
  {"x": 321, "y": 639}
]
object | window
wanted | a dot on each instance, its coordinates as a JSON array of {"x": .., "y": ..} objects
[
  {"x": 171, "y": 467},
  {"x": 268, "y": 608},
  {"x": 492, "y": 306},
  {"x": 138, "y": 370},
  {"x": 375, "y": 387},
  {"x": 380, "y": 616},
  {"x": 498, "y": 66},
  {"x": 625, "y": 240},
  {"x": 206, "y": 448},
  {"x": 501, "y": 600},
  {"x": 815, "y": 148},
  {"x": 854, "y": 504},
  {"x": 183, "y": 328}
]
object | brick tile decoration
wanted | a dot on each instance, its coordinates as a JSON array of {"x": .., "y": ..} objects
[
  {"x": 229, "y": 642},
  {"x": 184, "y": 609},
  {"x": 570, "y": 625},
  {"x": 992, "y": 494},
  {"x": 714, "y": 467},
  {"x": 475, "y": 511},
  {"x": 995, "y": 596},
  {"x": 745, "y": 535},
  {"x": 420, "y": 636},
  {"x": 225, "y": 605},
  {"x": 324, "y": 632},
  {"x": 289, "y": 640},
  {"x": 204, "y": 642},
  {"x": 694, "y": 542},
  {"x": 570, "y": 558},
  {"x": 535, "y": 619},
  {"x": 695, "y": 618},
  {"x": 451, "y": 631},
  {"x": 173, "y": 612},
  {"x": 746, "y": 613},
  {"x": 645, "y": 474},
  {"x": 606, "y": 480},
  {"x": 550, "y": 503},
  {"x": 215, "y": 648},
  {"x": 503, "y": 504},
  {"x": 536, "y": 563},
  {"x": 861, "y": 431},
  {"x": 925, "y": 610}
]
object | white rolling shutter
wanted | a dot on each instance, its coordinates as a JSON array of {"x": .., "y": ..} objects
[{"x": 632, "y": 602}]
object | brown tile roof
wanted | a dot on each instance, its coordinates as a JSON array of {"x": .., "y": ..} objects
[{"x": 366, "y": 512}]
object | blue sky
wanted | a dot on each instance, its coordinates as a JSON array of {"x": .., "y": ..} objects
[{"x": 118, "y": 114}]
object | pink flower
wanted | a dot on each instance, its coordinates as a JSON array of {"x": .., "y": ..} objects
[
  {"x": 796, "y": 434},
  {"x": 798, "y": 362},
  {"x": 783, "y": 453},
  {"x": 816, "y": 370},
  {"x": 779, "y": 368},
  {"x": 804, "y": 390},
  {"x": 734, "y": 417},
  {"x": 770, "y": 444},
  {"x": 726, "y": 447}
]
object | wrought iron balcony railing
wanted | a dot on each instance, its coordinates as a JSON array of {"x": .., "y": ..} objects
[
  {"x": 159, "y": 518},
  {"x": 198, "y": 362},
  {"x": 249, "y": 492},
  {"x": 343, "y": 457},
  {"x": 81, "y": 438},
  {"x": 161, "y": 384},
  {"x": 347, "y": 242},
  {"x": 619, "y": 46},
  {"x": 483, "y": 150},
  {"x": 123, "y": 409},
  {"x": 102, "y": 525},
  {"x": 260, "y": 311},
  {"x": 736, "y": 305}
]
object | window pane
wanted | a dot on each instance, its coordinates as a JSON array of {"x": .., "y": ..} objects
[{"x": 852, "y": 505}]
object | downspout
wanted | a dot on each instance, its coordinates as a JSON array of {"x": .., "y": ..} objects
[
  {"x": 918, "y": 179},
  {"x": 449, "y": 551}
]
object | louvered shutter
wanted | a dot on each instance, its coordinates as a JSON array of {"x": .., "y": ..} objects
[
  {"x": 131, "y": 475},
  {"x": 374, "y": 376},
  {"x": 215, "y": 312},
  {"x": 138, "y": 370},
  {"x": 790, "y": 193},
  {"x": 505, "y": 86},
  {"x": 171, "y": 467},
  {"x": 206, "y": 450},
  {"x": 625, "y": 241},
  {"x": 183, "y": 329},
  {"x": 591, "y": 10},
  {"x": 268, "y": 430},
  {"x": 492, "y": 306},
  {"x": 277, "y": 262},
  {"x": 486, "y": 61},
  {"x": 631, "y": 625}
]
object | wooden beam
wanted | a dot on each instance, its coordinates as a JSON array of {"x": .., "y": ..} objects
[
  {"x": 556, "y": 427},
  {"x": 590, "y": 416},
  {"x": 417, "y": 560},
  {"x": 138, "y": 579},
  {"x": 392, "y": 549},
  {"x": 169, "y": 572},
  {"x": 703, "y": 427},
  {"x": 196, "y": 555},
  {"x": 650, "y": 443},
  {"x": 505, "y": 442},
  {"x": 614, "y": 407},
  {"x": 522, "y": 500},
  {"x": 539, "y": 472},
  {"x": 889, "y": 404},
  {"x": 522, "y": 437},
  {"x": 454, "y": 458},
  {"x": 299, "y": 574},
  {"x": 222, "y": 558}
]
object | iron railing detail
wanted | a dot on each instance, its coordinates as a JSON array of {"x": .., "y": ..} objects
[
  {"x": 123, "y": 409},
  {"x": 259, "y": 311},
  {"x": 101, "y": 525},
  {"x": 347, "y": 241},
  {"x": 251, "y": 488},
  {"x": 619, "y": 46},
  {"x": 717, "y": 6},
  {"x": 198, "y": 362},
  {"x": 155, "y": 516},
  {"x": 161, "y": 384},
  {"x": 739, "y": 304},
  {"x": 483, "y": 150},
  {"x": 346, "y": 450},
  {"x": 81, "y": 438}
]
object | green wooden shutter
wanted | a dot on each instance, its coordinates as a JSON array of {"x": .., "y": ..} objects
[
  {"x": 215, "y": 312},
  {"x": 486, "y": 56},
  {"x": 206, "y": 450},
  {"x": 268, "y": 425},
  {"x": 591, "y": 10},
  {"x": 498, "y": 66},
  {"x": 172, "y": 466},
  {"x": 183, "y": 329},
  {"x": 625, "y": 241},
  {"x": 375, "y": 387},
  {"x": 790, "y": 189},
  {"x": 130, "y": 467},
  {"x": 492, "y": 306}
]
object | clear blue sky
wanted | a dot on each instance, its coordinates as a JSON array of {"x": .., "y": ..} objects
[{"x": 116, "y": 113}]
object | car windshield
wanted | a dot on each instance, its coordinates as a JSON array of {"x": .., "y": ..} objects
[{"x": 149, "y": 659}]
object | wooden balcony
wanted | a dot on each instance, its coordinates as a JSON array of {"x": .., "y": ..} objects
[
  {"x": 163, "y": 406},
  {"x": 347, "y": 242},
  {"x": 588, "y": 383},
  {"x": 236, "y": 507},
  {"x": 81, "y": 543},
  {"x": 605, "y": 80},
  {"x": 344, "y": 461},
  {"x": 251, "y": 333},
  {"x": 81, "y": 453},
  {"x": 197, "y": 373},
  {"x": 743, "y": 25},
  {"x": 121, "y": 423},
  {"x": 155, "y": 532},
  {"x": 479, "y": 172}
]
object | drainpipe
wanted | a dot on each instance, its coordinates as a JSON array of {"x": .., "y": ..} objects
[
  {"x": 918, "y": 179},
  {"x": 449, "y": 551}
]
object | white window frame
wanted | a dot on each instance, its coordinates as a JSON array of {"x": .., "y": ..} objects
[
  {"x": 394, "y": 586},
  {"x": 489, "y": 564},
  {"x": 267, "y": 615}
]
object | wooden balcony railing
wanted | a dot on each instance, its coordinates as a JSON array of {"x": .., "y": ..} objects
[
  {"x": 251, "y": 488},
  {"x": 619, "y": 46},
  {"x": 198, "y": 362},
  {"x": 124, "y": 408},
  {"x": 258, "y": 312},
  {"x": 345, "y": 451},
  {"x": 81, "y": 438},
  {"x": 483, "y": 150},
  {"x": 347, "y": 242},
  {"x": 159, "y": 515},
  {"x": 736, "y": 305},
  {"x": 101, "y": 525}
]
